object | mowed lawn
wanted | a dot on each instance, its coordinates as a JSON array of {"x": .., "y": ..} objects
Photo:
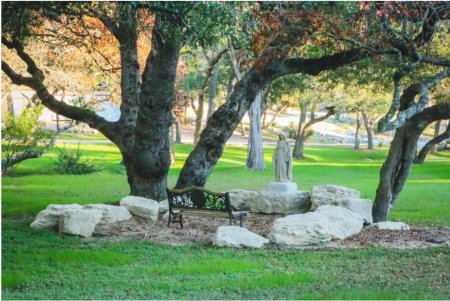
[{"x": 39, "y": 264}]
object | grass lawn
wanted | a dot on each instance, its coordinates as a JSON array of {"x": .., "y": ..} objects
[{"x": 45, "y": 265}]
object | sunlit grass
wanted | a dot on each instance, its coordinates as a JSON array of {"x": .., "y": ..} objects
[{"x": 423, "y": 201}]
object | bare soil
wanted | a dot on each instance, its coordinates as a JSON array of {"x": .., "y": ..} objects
[{"x": 202, "y": 229}]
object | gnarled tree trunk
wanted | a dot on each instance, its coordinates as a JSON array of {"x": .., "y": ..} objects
[
  {"x": 437, "y": 129},
  {"x": 212, "y": 91},
  {"x": 397, "y": 166}
]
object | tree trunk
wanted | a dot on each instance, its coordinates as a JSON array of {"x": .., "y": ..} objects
[
  {"x": 369, "y": 130},
  {"x": 148, "y": 160},
  {"x": 242, "y": 129},
  {"x": 172, "y": 144},
  {"x": 221, "y": 125},
  {"x": 437, "y": 129},
  {"x": 432, "y": 144},
  {"x": 149, "y": 187},
  {"x": 358, "y": 126},
  {"x": 198, "y": 118},
  {"x": 397, "y": 166},
  {"x": 212, "y": 91},
  {"x": 177, "y": 131},
  {"x": 299, "y": 137},
  {"x": 255, "y": 150},
  {"x": 266, "y": 126}
]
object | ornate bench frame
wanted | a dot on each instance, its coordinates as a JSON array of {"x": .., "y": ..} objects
[{"x": 199, "y": 201}]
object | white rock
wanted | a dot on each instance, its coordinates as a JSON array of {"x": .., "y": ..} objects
[
  {"x": 239, "y": 198},
  {"x": 163, "y": 206},
  {"x": 142, "y": 207},
  {"x": 111, "y": 214},
  {"x": 312, "y": 228},
  {"x": 344, "y": 197},
  {"x": 329, "y": 194},
  {"x": 395, "y": 226},
  {"x": 80, "y": 222},
  {"x": 49, "y": 217},
  {"x": 238, "y": 237},
  {"x": 269, "y": 202}
]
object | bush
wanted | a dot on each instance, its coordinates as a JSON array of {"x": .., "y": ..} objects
[{"x": 69, "y": 162}]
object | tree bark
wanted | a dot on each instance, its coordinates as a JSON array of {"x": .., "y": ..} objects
[
  {"x": 150, "y": 155},
  {"x": 255, "y": 150},
  {"x": 437, "y": 129},
  {"x": 299, "y": 140},
  {"x": 397, "y": 166},
  {"x": 198, "y": 118},
  {"x": 358, "y": 126},
  {"x": 212, "y": 91},
  {"x": 369, "y": 130},
  {"x": 432, "y": 144},
  {"x": 177, "y": 131}
]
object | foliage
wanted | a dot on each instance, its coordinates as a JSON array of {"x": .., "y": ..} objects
[
  {"x": 69, "y": 162},
  {"x": 22, "y": 133}
]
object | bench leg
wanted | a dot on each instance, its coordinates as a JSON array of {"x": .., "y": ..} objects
[
  {"x": 170, "y": 218},
  {"x": 181, "y": 221}
]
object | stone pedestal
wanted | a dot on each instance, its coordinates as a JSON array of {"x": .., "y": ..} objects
[{"x": 281, "y": 187}]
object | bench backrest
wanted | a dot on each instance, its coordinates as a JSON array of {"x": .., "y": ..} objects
[{"x": 198, "y": 198}]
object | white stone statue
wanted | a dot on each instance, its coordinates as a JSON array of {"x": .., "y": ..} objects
[{"x": 282, "y": 160}]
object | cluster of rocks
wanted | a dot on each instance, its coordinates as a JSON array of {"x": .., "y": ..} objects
[
  {"x": 84, "y": 219},
  {"x": 335, "y": 212},
  {"x": 328, "y": 212}
]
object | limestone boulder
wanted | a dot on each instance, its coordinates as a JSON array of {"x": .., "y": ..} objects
[
  {"x": 49, "y": 217},
  {"x": 238, "y": 237},
  {"x": 269, "y": 202},
  {"x": 80, "y": 222},
  {"x": 142, "y": 207},
  {"x": 330, "y": 194},
  {"x": 394, "y": 226},
  {"x": 315, "y": 228},
  {"x": 344, "y": 197},
  {"x": 163, "y": 206},
  {"x": 110, "y": 214},
  {"x": 286, "y": 203},
  {"x": 241, "y": 198}
]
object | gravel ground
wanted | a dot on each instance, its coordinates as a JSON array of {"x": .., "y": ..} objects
[{"x": 202, "y": 229}]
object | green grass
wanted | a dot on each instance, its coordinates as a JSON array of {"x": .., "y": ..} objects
[
  {"x": 423, "y": 201},
  {"x": 45, "y": 265}
]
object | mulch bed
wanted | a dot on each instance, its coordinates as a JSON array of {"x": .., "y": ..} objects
[{"x": 202, "y": 229}]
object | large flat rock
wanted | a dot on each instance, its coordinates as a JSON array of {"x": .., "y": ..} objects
[
  {"x": 49, "y": 217},
  {"x": 335, "y": 195},
  {"x": 238, "y": 237},
  {"x": 315, "y": 228},
  {"x": 269, "y": 202},
  {"x": 142, "y": 207},
  {"x": 80, "y": 222},
  {"x": 110, "y": 214}
]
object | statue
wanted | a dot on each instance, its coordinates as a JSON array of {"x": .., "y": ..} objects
[{"x": 282, "y": 160}]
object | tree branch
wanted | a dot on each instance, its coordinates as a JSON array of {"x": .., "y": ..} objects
[{"x": 35, "y": 82}]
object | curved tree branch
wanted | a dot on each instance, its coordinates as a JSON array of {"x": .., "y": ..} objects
[{"x": 36, "y": 83}]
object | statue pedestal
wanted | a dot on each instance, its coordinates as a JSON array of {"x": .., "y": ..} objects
[{"x": 282, "y": 187}]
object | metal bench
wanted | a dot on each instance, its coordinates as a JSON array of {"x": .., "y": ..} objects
[{"x": 198, "y": 201}]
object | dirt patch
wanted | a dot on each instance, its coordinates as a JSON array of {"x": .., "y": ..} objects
[{"x": 202, "y": 229}]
